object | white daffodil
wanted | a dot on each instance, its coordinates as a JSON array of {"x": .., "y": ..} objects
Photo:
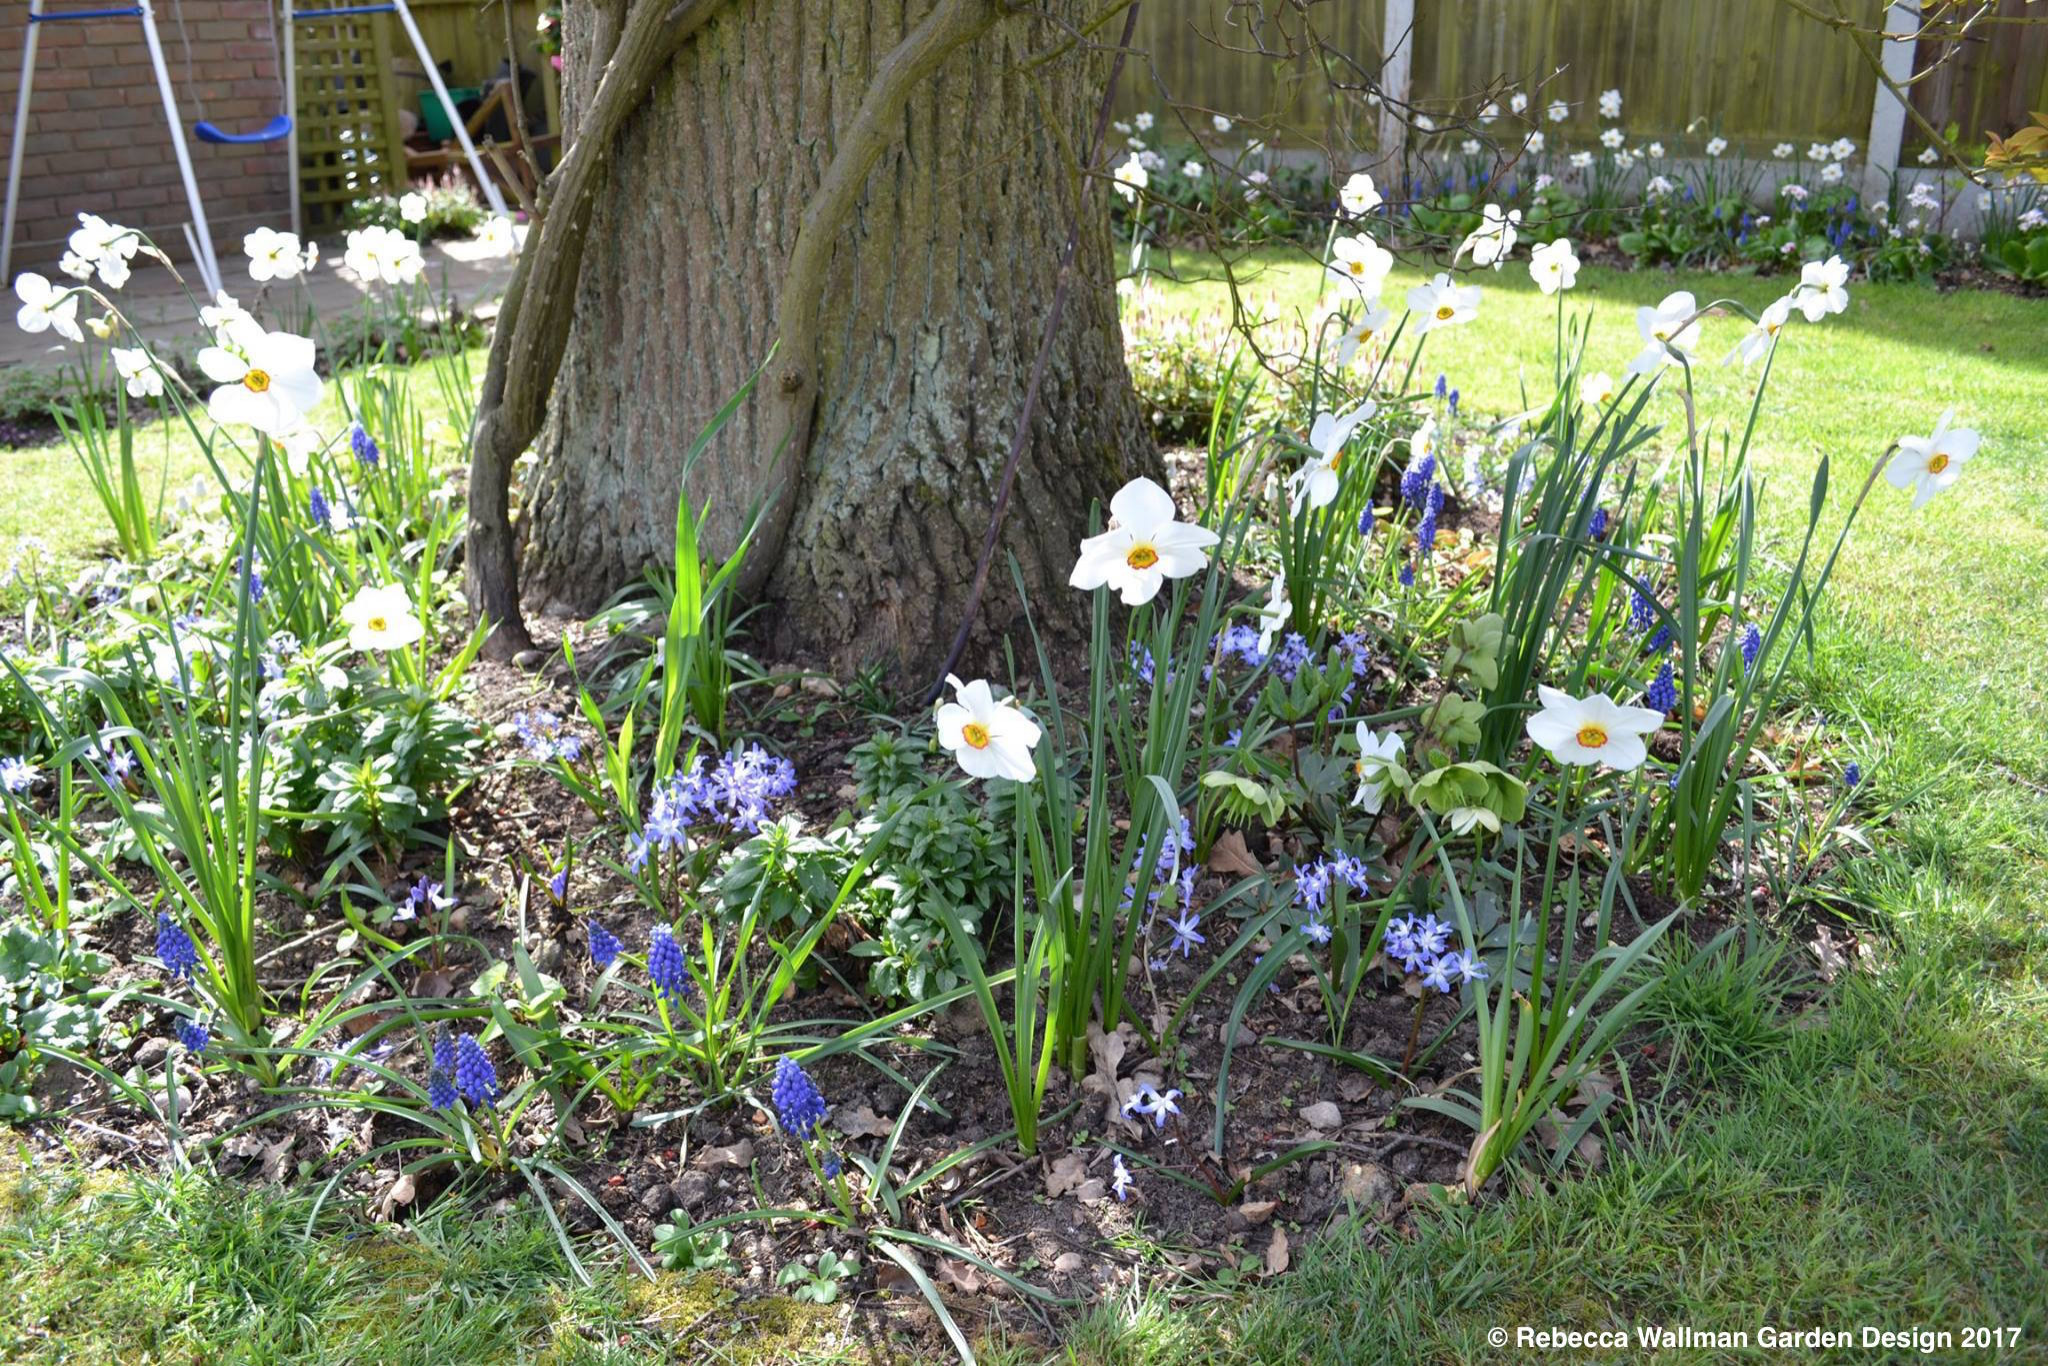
[
  {"x": 1559, "y": 111},
  {"x": 1756, "y": 343},
  {"x": 1143, "y": 121},
  {"x": 1517, "y": 102},
  {"x": 1612, "y": 139},
  {"x": 991, "y": 739},
  {"x": 1273, "y": 616},
  {"x": 498, "y": 237},
  {"x": 1554, "y": 266},
  {"x": 104, "y": 326},
  {"x": 1667, "y": 334},
  {"x": 1375, "y": 753},
  {"x": 1533, "y": 144},
  {"x": 273, "y": 255},
  {"x": 1359, "y": 196},
  {"x": 1441, "y": 303},
  {"x": 412, "y": 207},
  {"x": 1219, "y": 122},
  {"x": 135, "y": 366},
  {"x": 74, "y": 265},
  {"x": 1316, "y": 483},
  {"x": 299, "y": 443},
  {"x": 1143, "y": 547},
  {"x": 377, "y": 254},
  {"x": 266, "y": 379},
  {"x": 1716, "y": 146},
  {"x": 46, "y": 307},
  {"x": 1596, "y": 389},
  {"x": 1191, "y": 168},
  {"x": 1823, "y": 288},
  {"x": 1783, "y": 151},
  {"x": 1582, "y": 731},
  {"x": 1494, "y": 238},
  {"x": 1610, "y": 104},
  {"x": 1362, "y": 263},
  {"x": 1131, "y": 177},
  {"x": 223, "y": 313},
  {"x": 1842, "y": 149},
  {"x": 1929, "y": 464},
  {"x": 109, "y": 246},
  {"x": 1371, "y": 322},
  {"x": 381, "y": 619}
]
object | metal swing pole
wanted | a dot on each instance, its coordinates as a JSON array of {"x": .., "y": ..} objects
[
  {"x": 209, "y": 268},
  {"x": 20, "y": 141},
  {"x": 476, "y": 163},
  {"x": 291, "y": 109}
]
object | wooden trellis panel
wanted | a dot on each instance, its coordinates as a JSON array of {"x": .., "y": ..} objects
[{"x": 350, "y": 143}]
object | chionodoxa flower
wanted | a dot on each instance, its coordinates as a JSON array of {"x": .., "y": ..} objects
[
  {"x": 991, "y": 739},
  {"x": 1929, "y": 464},
  {"x": 1582, "y": 731},
  {"x": 381, "y": 619},
  {"x": 266, "y": 379},
  {"x": 1143, "y": 547}
]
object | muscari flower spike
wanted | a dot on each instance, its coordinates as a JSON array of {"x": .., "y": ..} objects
[
  {"x": 441, "y": 1093},
  {"x": 1852, "y": 776},
  {"x": 665, "y": 966},
  {"x": 604, "y": 945},
  {"x": 365, "y": 447},
  {"x": 474, "y": 1075},
  {"x": 1662, "y": 694},
  {"x": 799, "y": 1105},
  {"x": 1752, "y": 646},
  {"x": 317, "y": 507},
  {"x": 174, "y": 947},
  {"x": 193, "y": 1034}
]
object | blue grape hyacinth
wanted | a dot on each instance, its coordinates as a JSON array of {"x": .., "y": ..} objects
[
  {"x": 364, "y": 445},
  {"x": 441, "y": 1090},
  {"x": 193, "y": 1034},
  {"x": 1752, "y": 646},
  {"x": 604, "y": 945},
  {"x": 799, "y": 1105},
  {"x": 317, "y": 507},
  {"x": 665, "y": 965},
  {"x": 1662, "y": 694},
  {"x": 1852, "y": 776},
  {"x": 174, "y": 947},
  {"x": 474, "y": 1075}
]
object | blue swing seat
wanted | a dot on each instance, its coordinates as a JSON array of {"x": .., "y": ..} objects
[{"x": 269, "y": 132}]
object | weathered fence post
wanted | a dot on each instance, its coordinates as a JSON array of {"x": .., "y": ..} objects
[
  {"x": 1887, "y": 113},
  {"x": 1397, "y": 48}
]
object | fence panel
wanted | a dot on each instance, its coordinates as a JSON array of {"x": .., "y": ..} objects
[{"x": 1755, "y": 71}]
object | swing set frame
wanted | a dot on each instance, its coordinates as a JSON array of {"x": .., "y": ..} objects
[{"x": 198, "y": 237}]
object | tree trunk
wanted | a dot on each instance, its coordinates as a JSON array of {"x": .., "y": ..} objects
[{"x": 931, "y": 312}]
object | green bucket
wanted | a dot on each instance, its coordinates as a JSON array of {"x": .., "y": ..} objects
[{"x": 434, "y": 118}]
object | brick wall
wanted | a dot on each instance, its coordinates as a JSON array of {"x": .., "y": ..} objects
[{"x": 97, "y": 139}]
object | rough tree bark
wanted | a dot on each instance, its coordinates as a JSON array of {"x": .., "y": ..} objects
[{"x": 923, "y": 302}]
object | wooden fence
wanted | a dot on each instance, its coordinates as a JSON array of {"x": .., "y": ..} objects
[{"x": 1754, "y": 71}]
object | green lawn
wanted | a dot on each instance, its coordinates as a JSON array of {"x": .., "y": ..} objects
[
  {"x": 1880, "y": 1160},
  {"x": 1884, "y": 1160}
]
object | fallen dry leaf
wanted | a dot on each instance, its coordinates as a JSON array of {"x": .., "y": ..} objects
[
  {"x": 1258, "y": 1211},
  {"x": 1277, "y": 1256},
  {"x": 1229, "y": 855},
  {"x": 740, "y": 1154},
  {"x": 961, "y": 1276},
  {"x": 398, "y": 1194},
  {"x": 1065, "y": 1174},
  {"x": 861, "y": 1122},
  {"x": 1067, "y": 1263}
]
